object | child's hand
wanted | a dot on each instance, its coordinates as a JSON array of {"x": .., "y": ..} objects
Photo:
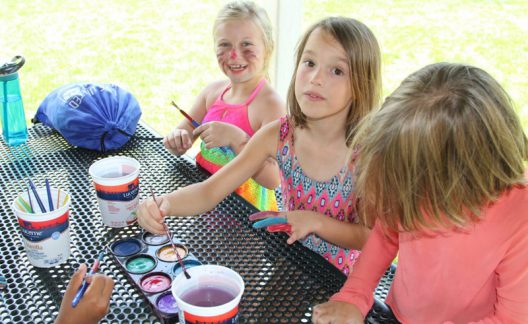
[
  {"x": 336, "y": 313},
  {"x": 218, "y": 134},
  {"x": 178, "y": 141},
  {"x": 150, "y": 216},
  {"x": 93, "y": 305},
  {"x": 303, "y": 223}
]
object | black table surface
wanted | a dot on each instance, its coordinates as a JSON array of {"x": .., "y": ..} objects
[{"x": 283, "y": 282}]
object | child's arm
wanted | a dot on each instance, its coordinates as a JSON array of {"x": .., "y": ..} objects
[
  {"x": 511, "y": 305},
  {"x": 203, "y": 196},
  {"x": 347, "y": 235},
  {"x": 93, "y": 305},
  {"x": 264, "y": 111},
  {"x": 181, "y": 138},
  {"x": 377, "y": 255}
]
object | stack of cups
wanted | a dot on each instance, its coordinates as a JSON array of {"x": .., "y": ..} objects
[
  {"x": 46, "y": 235},
  {"x": 116, "y": 181}
]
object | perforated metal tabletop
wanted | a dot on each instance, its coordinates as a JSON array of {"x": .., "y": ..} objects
[{"x": 282, "y": 282}]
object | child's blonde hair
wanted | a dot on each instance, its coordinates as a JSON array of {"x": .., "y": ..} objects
[
  {"x": 443, "y": 145},
  {"x": 248, "y": 10},
  {"x": 364, "y": 61}
]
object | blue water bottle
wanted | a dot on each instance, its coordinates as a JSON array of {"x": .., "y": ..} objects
[{"x": 12, "y": 115}]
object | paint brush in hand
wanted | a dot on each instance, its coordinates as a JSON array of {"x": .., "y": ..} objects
[
  {"x": 189, "y": 118},
  {"x": 182, "y": 265},
  {"x": 84, "y": 285}
]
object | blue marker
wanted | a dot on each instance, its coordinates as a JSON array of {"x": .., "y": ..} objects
[{"x": 84, "y": 285}]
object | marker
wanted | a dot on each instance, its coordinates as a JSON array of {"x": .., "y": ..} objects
[{"x": 84, "y": 285}]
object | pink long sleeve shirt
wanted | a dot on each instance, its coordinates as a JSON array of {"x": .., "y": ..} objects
[{"x": 479, "y": 275}]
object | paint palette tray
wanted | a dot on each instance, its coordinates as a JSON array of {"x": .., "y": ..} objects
[{"x": 149, "y": 262}]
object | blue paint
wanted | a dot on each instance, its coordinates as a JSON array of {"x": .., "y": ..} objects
[
  {"x": 187, "y": 263},
  {"x": 126, "y": 247}
]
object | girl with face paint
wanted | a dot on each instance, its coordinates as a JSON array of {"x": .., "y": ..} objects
[
  {"x": 231, "y": 111},
  {"x": 335, "y": 84}
]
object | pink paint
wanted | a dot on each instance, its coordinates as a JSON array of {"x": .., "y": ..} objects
[
  {"x": 233, "y": 54},
  {"x": 155, "y": 282}
]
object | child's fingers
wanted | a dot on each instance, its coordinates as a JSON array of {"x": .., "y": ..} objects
[
  {"x": 99, "y": 292},
  {"x": 186, "y": 140},
  {"x": 75, "y": 282},
  {"x": 150, "y": 217},
  {"x": 293, "y": 237},
  {"x": 200, "y": 129}
]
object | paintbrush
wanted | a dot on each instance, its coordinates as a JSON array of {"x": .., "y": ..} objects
[
  {"x": 84, "y": 285},
  {"x": 189, "y": 118},
  {"x": 182, "y": 265},
  {"x": 37, "y": 197}
]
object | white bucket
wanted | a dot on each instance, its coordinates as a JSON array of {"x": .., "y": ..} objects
[
  {"x": 211, "y": 295},
  {"x": 116, "y": 182},
  {"x": 46, "y": 236}
]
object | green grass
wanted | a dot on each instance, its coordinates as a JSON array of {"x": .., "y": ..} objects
[
  {"x": 489, "y": 34},
  {"x": 163, "y": 50}
]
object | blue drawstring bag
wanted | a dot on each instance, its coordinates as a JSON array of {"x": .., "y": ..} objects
[{"x": 93, "y": 116}]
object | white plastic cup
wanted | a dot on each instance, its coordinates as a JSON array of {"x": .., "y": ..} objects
[
  {"x": 116, "y": 182},
  {"x": 202, "y": 278},
  {"x": 46, "y": 236}
]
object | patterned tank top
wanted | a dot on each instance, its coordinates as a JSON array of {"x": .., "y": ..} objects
[
  {"x": 215, "y": 158},
  {"x": 334, "y": 198}
]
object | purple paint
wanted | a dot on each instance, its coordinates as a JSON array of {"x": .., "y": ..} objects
[
  {"x": 126, "y": 247},
  {"x": 208, "y": 296},
  {"x": 167, "y": 304}
]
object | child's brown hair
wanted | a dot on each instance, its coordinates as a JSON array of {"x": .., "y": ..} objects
[
  {"x": 364, "y": 61},
  {"x": 444, "y": 144}
]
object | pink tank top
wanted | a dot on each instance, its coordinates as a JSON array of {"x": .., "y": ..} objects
[
  {"x": 233, "y": 114},
  {"x": 215, "y": 158}
]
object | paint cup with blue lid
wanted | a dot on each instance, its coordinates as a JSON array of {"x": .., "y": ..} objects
[
  {"x": 116, "y": 182},
  {"x": 45, "y": 233}
]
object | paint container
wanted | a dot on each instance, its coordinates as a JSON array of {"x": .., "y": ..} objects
[
  {"x": 126, "y": 247},
  {"x": 141, "y": 259},
  {"x": 140, "y": 263},
  {"x": 166, "y": 304},
  {"x": 166, "y": 253},
  {"x": 155, "y": 282},
  {"x": 154, "y": 239},
  {"x": 177, "y": 269},
  {"x": 211, "y": 295},
  {"x": 46, "y": 236},
  {"x": 116, "y": 181}
]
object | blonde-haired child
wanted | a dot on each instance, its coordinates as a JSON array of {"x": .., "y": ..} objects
[
  {"x": 232, "y": 110},
  {"x": 442, "y": 167},
  {"x": 336, "y": 82}
]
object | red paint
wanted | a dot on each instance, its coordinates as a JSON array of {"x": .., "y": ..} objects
[
  {"x": 233, "y": 54},
  {"x": 155, "y": 282}
]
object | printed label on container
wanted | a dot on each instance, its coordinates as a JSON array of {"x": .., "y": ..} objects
[
  {"x": 124, "y": 192},
  {"x": 230, "y": 317},
  {"x": 47, "y": 243},
  {"x": 118, "y": 204}
]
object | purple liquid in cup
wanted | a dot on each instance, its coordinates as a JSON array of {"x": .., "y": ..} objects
[{"x": 207, "y": 296}]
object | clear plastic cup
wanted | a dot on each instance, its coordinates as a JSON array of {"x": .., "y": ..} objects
[
  {"x": 116, "y": 182},
  {"x": 46, "y": 235},
  {"x": 211, "y": 295}
]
